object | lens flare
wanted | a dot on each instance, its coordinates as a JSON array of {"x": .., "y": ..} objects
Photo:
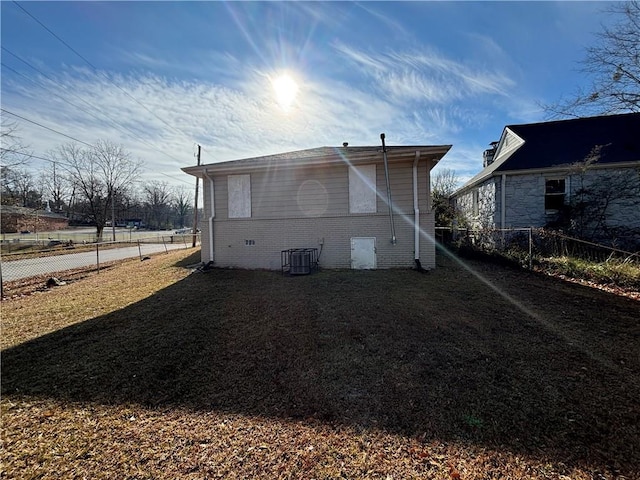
[{"x": 286, "y": 90}]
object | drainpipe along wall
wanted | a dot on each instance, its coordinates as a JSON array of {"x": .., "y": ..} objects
[
  {"x": 416, "y": 211},
  {"x": 503, "y": 199},
  {"x": 213, "y": 215},
  {"x": 389, "y": 202}
]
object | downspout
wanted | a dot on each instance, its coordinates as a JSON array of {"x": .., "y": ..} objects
[
  {"x": 416, "y": 214},
  {"x": 389, "y": 202},
  {"x": 503, "y": 199},
  {"x": 213, "y": 215}
]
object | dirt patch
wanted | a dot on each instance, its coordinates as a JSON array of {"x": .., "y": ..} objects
[{"x": 470, "y": 371}]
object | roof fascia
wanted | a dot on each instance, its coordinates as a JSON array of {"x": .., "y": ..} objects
[
  {"x": 570, "y": 168},
  {"x": 434, "y": 153}
]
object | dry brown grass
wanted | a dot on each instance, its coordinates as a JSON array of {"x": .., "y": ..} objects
[{"x": 145, "y": 371}]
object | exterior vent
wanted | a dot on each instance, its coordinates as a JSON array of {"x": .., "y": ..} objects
[{"x": 300, "y": 263}]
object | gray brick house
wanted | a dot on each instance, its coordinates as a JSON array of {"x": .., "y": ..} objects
[
  {"x": 333, "y": 199},
  {"x": 538, "y": 171}
]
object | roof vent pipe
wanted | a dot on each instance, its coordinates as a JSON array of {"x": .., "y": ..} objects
[{"x": 389, "y": 202}]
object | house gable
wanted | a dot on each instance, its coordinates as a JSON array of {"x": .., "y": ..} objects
[{"x": 537, "y": 168}]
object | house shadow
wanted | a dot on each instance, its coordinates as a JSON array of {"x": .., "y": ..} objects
[{"x": 395, "y": 351}]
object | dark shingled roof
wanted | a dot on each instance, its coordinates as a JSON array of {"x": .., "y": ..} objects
[{"x": 564, "y": 142}]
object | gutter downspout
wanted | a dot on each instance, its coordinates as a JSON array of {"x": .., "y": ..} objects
[
  {"x": 503, "y": 199},
  {"x": 213, "y": 215},
  {"x": 416, "y": 213},
  {"x": 389, "y": 202}
]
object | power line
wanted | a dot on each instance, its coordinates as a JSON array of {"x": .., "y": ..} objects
[
  {"x": 60, "y": 162},
  {"x": 174, "y": 178},
  {"x": 47, "y": 128},
  {"x": 98, "y": 71},
  {"x": 31, "y": 155},
  {"x": 114, "y": 122}
]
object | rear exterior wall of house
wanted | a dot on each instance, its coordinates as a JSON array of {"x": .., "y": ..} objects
[{"x": 308, "y": 207}]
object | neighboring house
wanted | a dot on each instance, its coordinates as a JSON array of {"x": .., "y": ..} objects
[
  {"x": 333, "y": 199},
  {"x": 22, "y": 219},
  {"x": 540, "y": 171}
]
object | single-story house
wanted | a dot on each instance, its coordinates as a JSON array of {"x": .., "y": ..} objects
[
  {"x": 21, "y": 219},
  {"x": 332, "y": 199},
  {"x": 537, "y": 171}
]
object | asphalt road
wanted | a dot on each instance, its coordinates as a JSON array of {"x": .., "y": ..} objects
[{"x": 17, "y": 269}]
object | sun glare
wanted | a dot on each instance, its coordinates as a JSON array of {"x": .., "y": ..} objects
[{"x": 286, "y": 90}]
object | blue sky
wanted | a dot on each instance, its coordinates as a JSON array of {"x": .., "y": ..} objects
[{"x": 166, "y": 75}]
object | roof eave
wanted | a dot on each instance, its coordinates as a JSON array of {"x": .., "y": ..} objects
[{"x": 433, "y": 152}]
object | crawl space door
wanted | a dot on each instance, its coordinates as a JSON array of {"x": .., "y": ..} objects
[{"x": 363, "y": 253}]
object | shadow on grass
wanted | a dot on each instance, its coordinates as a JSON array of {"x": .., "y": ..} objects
[{"x": 437, "y": 356}]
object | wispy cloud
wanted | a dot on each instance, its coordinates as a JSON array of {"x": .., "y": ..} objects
[
  {"x": 427, "y": 74},
  {"x": 415, "y": 97}
]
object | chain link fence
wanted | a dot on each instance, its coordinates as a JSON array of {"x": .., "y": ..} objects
[
  {"x": 34, "y": 260},
  {"x": 528, "y": 244},
  {"x": 546, "y": 250}
]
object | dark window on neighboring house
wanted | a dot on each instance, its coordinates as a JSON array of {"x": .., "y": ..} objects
[
  {"x": 475, "y": 202},
  {"x": 554, "y": 194}
]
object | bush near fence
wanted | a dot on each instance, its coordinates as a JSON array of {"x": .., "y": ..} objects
[{"x": 548, "y": 251}]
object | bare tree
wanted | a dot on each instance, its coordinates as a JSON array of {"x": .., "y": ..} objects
[
  {"x": 443, "y": 184},
  {"x": 597, "y": 196},
  {"x": 55, "y": 186},
  {"x": 13, "y": 152},
  {"x": 157, "y": 199},
  {"x": 613, "y": 65},
  {"x": 181, "y": 204},
  {"x": 19, "y": 188},
  {"x": 98, "y": 175}
]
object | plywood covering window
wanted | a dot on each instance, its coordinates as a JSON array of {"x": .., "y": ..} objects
[
  {"x": 362, "y": 189},
  {"x": 239, "y": 187}
]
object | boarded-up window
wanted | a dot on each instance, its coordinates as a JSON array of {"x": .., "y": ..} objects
[
  {"x": 239, "y": 187},
  {"x": 362, "y": 189}
]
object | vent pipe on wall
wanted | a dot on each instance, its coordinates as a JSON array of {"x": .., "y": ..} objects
[{"x": 389, "y": 202}]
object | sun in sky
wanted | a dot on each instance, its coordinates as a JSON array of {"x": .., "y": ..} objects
[{"x": 285, "y": 89}]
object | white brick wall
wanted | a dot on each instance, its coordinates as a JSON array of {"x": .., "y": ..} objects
[{"x": 274, "y": 235}]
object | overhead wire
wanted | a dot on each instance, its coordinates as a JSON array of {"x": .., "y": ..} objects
[
  {"x": 114, "y": 122},
  {"x": 47, "y": 128},
  {"x": 98, "y": 71}
]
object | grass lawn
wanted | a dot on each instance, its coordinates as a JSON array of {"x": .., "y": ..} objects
[{"x": 148, "y": 371}]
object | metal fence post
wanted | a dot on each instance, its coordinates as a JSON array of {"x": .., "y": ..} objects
[
  {"x": 98, "y": 257},
  {"x": 530, "y": 248},
  {"x": 139, "y": 250},
  {"x": 164, "y": 242}
]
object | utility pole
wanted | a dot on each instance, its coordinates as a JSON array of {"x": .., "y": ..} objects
[
  {"x": 195, "y": 208},
  {"x": 113, "y": 214}
]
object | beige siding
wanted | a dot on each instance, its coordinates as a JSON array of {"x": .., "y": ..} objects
[{"x": 297, "y": 208}]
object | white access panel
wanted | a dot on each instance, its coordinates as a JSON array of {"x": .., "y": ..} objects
[{"x": 363, "y": 253}]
